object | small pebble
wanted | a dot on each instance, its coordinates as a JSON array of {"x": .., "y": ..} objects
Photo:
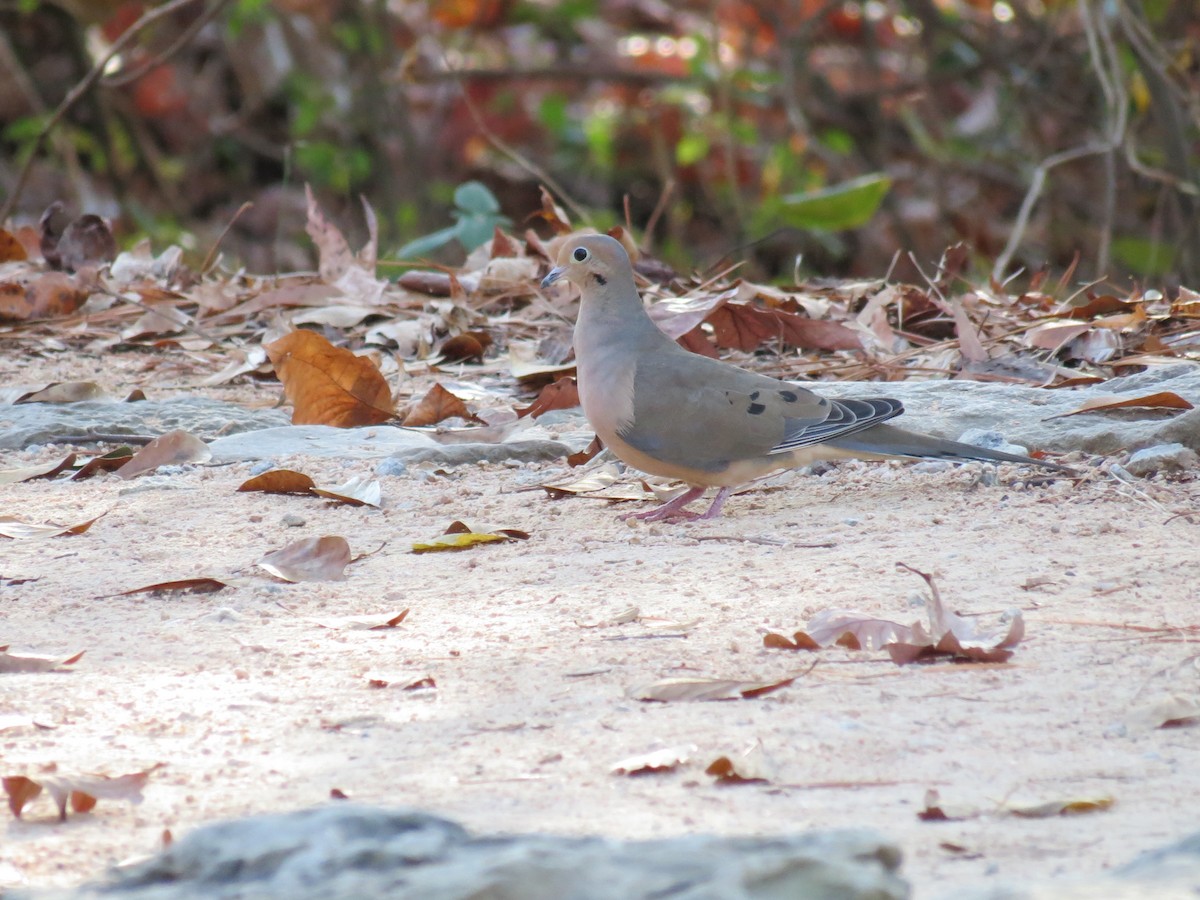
[
  {"x": 263, "y": 465},
  {"x": 291, "y": 520},
  {"x": 391, "y": 466}
]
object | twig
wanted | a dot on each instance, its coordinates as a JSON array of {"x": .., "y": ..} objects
[
  {"x": 120, "y": 79},
  {"x": 147, "y": 18},
  {"x": 212, "y": 253},
  {"x": 513, "y": 153},
  {"x": 185, "y": 326}
]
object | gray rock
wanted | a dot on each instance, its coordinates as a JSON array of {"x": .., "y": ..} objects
[
  {"x": 406, "y": 445},
  {"x": 991, "y": 440},
  {"x": 1023, "y": 414},
  {"x": 349, "y": 851},
  {"x": 1162, "y": 458},
  {"x": 47, "y": 423}
]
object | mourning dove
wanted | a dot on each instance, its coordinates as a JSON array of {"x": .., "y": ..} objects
[{"x": 670, "y": 412}]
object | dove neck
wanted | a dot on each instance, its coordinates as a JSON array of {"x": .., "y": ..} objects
[{"x": 619, "y": 315}]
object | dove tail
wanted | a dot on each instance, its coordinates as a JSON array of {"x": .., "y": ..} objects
[{"x": 887, "y": 440}]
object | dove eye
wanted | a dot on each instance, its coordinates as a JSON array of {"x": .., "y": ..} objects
[{"x": 580, "y": 254}]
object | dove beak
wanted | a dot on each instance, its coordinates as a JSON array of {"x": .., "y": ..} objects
[{"x": 553, "y": 275}]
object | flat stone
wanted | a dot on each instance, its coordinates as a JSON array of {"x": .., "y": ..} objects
[
  {"x": 1162, "y": 458},
  {"x": 346, "y": 850}
]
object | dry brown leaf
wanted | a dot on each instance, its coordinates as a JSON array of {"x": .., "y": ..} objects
[
  {"x": 109, "y": 462},
  {"x": 31, "y": 473},
  {"x": 310, "y": 559},
  {"x": 741, "y": 326},
  {"x": 503, "y": 245},
  {"x": 81, "y": 791},
  {"x": 1169, "y": 698},
  {"x": 201, "y": 585},
  {"x": 1048, "y": 809},
  {"x": 435, "y": 406},
  {"x": 64, "y": 392},
  {"x": 16, "y": 662},
  {"x": 22, "y": 531},
  {"x": 361, "y": 490},
  {"x": 337, "y": 264},
  {"x": 53, "y": 295},
  {"x": 1160, "y": 400},
  {"x": 11, "y": 249},
  {"x": 470, "y": 345},
  {"x": 869, "y": 632},
  {"x": 671, "y": 690},
  {"x": 173, "y": 448},
  {"x": 799, "y": 641},
  {"x": 937, "y": 811},
  {"x": 561, "y": 394},
  {"x": 328, "y": 385},
  {"x": 751, "y": 766},
  {"x": 402, "y": 682},
  {"x": 587, "y": 454},
  {"x": 654, "y": 762},
  {"x": 279, "y": 481},
  {"x": 378, "y": 622},
  {"x": 553, "y": 214},
  {"x": 953, "y": 635}
]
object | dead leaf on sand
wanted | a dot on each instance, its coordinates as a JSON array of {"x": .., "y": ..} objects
[
  {"x": 671, "y": 690},
  {"x": 435, "y": 406},
  {"x": 329, "y": 385},
  {"x": 171, "y": 449},
  {"x": 15, "y": 662},
  {"x": 24, "y": 531},
  {"x": 81, "y": 791},
  {"x": 279, "y": 481},
  {"x": 655, "y": 762},
  {"x": 310, "y": 559}
]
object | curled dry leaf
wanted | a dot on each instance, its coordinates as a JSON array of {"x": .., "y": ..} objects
[
  {"x": 310, "y": 559},
  {"x": 402, "y": 682},
  {"x": 654, "y": 762},
  {"x": 1160, "y": 400},
  {"x": 561, "y": 394},
  {"x": 81, "y": 791},
  {"x": 1169, "y": 698},
  {"x": 378, "y": 622},
  {"x": 799, "y": 641},
  {"x": 1048, "y": 809},
  {"x": 200, "y": 585},
  {"x": 675, "y": 689},
  {"x": 358, "y": 491},
  {"x": 31, "y": 473},
  {"x": 470, "y": 345},
  {"x": 459, "y": 536},
  {"x": 109, "y": 462},
  {"x": 328, "y": 385},
  {"x": 585, "y": 455},
  {"x": 64, "y": 392},
  {"x": 751, "y": 766},
  {"x": 173, "y": 448},
  {"x": 435, "y": 406},
  {"x": 936, "y": 811},
  {"x": 11, "y": 249},
  {"x": 24, "y": 531},
  {"x": 15, "y": 662},
  {"x": 279, "y": 481}
]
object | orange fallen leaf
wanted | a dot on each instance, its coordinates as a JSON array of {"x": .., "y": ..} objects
[
  {"x": 81, "y": 791},
  {"x": 18, "y": 530},
  {"x": 172, "y": 448},
  {"x": 561, "y": 394},
  {"x": 201, "y": 585},
  {"x": 328, "y": 385},
  {"x": 470, "y": 345},
  {"x": 11, "y": 249},
  {"x": 31, "y": 473},
  {"x": 1160, "y": 400},
  {"x": 437, "y": 405},
  {"x": 310, "y": 559},
  {"x": 279, "y": 481},
  {"x": 16, "y": 662}
]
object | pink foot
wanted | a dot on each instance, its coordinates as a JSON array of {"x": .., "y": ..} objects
[{"x": 672, "y": 509}]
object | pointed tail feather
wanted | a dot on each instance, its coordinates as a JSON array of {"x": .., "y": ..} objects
[{"x": 887, "y": 440}]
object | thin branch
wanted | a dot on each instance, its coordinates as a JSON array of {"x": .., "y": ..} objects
[
  {"x": 76, "y": 94},
  {"x": 120, "y": 79},
  {"x": 514, "y": 154}
]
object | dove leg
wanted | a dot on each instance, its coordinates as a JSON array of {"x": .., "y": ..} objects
[
  {"x": 718, "y": 501},
  {"x": 670, "y": 508}
]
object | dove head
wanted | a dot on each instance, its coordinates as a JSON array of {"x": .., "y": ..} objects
[{"x": 592, "y": 262}]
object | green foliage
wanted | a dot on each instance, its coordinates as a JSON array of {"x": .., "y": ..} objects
[
  {"x": 476, "y": 214},
  {"x": 1144, "y": 256},
  {"x": 839, "y": 207},
  {"x": 324, "y": 162}
]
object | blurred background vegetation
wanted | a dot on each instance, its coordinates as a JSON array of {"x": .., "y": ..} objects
[{"x": 1040, "y": 133}]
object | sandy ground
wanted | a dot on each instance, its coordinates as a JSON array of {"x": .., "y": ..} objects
[{"x": 252, "y": 706}]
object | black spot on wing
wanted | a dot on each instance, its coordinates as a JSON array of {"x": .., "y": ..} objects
[
  {"x": 600, "y": 279},
  {"x": 756, "y": 409},
  {"x": 789, "y": 396}
]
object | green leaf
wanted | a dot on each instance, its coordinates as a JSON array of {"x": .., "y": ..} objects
[
  {"x": 691, "y": 149},
  {"x": 837, "y": 208},
  {"x": 474, "y": 197},
  {"x": 427, "y": 244},
  {"x": 1143, "y": 256}
]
